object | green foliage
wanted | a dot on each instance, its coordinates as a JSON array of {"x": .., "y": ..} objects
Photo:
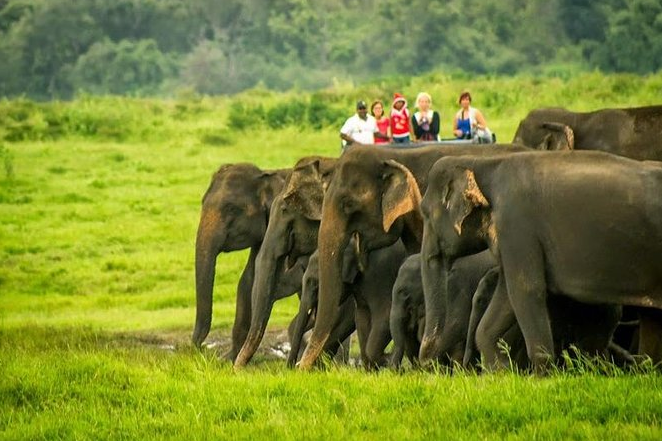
[
  {"x": 51, "y": 49},
  {"x": 632, "y": 37},
  {"x": 127, "y": 67},
  {"x": 7, "y": 161}
]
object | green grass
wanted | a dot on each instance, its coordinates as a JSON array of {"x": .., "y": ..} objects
[
  {"x": 97, "y": 297},
  {"x": 62, "y": 383}
]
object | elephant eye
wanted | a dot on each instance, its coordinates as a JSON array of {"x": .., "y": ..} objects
[
  {"x": 231, "y": 211},
  {"x": 348, "y": 205}
]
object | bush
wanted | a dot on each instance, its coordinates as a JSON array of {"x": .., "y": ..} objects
[
  {"x": 126, "y": 67},
  {"x": 242, "y": 117},
  {"x": 287, "y": 113},
  {"x": 321, "y": 114}
]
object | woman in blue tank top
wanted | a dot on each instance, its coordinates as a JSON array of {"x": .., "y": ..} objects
[{"x": 469, "y": 122}]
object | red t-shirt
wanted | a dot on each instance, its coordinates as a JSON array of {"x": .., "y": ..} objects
[
  {"x": 400, "y": 123},
  {"x": 382, "y": 125}
]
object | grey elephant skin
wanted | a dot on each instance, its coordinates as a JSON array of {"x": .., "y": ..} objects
[
  {"x": 305, "y": 318},
  {"x": 408, "y": 307},
  {"x": 368, "y": 285},
  {"x": 576, "y": 326},
  {"x": 373, "y": 196},
  {"x": 290, "y": 237},
  {"x": 234, "y": 216},
  {"x": 587, "y": 225},
  {"x": 632, "y": 132}
]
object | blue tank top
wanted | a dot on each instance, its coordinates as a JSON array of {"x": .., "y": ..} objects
[{"x": 465, "y": 126}]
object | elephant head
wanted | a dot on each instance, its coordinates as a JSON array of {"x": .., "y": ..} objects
[
  {"x": 546, "y": 129},
  {"x": 291, "y": 235},
  {"x": 234, "y": 215},
  {"x": 365, "y": 200}
]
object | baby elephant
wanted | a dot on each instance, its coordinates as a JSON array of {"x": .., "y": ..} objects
[{"x": 407, "y": 318}]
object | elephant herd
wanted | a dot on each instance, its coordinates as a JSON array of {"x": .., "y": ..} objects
[{"x": 452, "y": 250}]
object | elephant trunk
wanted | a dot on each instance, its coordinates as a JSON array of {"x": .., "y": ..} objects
[
  {"x": 207, "y": 247},
  {"x": 332, "y": 241},
  {"x": 301, "y": 320},
  {"x": 262, "y": 300},
  {"x": 307, "y": 305},
  {"x": 434, "y": 278}
]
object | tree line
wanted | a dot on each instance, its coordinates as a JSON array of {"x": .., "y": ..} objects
[{"x": 57, "y": 48}]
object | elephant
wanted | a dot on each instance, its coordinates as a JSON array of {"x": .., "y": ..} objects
[
  {"x": 588, "y": 328},
  {"x": 407, "y": 317},
  {"x": 373, "y": 196},
  {"x": 584, "y": 224},
  {"x": 408, "y": 306},
  {"x": 291, "y": 236},
  {"x": 369, "y": 285},
  {"x": 632, "y": 132},
  {"x": 234, "y": 216}
]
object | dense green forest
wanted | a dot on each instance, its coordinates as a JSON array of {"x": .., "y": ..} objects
[{"x": 57, "y": 48}]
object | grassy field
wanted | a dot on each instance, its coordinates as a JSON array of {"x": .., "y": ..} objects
[{"x": 98, "y": 214}]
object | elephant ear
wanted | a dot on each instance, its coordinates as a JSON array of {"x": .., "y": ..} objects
[
  {"x": 401, "y": 194},
  {"x": 462, "y": 196},
  {"x": 561, "y": 132},
  {"x": 305, "y": 190},
  {"x": 270, "y": 184}
]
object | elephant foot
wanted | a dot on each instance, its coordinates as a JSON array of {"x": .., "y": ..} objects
[
  {"x": 311, "y": 354},
  {"x": 430, "y": 349},
  {"x": 231, "y": 355}
]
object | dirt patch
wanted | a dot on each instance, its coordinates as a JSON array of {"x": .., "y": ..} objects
[{"x": 275, "y": 344}]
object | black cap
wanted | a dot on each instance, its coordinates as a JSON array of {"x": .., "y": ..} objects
[{"x": 361, "y": 104}]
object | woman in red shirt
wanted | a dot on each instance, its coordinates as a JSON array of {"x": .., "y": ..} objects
[{"x": 377, "y": 110}]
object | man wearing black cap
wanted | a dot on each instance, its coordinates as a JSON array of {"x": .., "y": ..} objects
[{"x": 360, "y": 128}]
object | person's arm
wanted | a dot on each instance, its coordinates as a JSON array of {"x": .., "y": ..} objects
[
  {"x": 435, "y": 127},
  {"x": 345, "y": 131},
  {"x": 412, "y": 135},
  {"x": 456, "y": 131},
  {"x": 480, "y": 120},
  {"x": 381, "y": 135},
  {"x": 378, "y": 133},
  {"x": 415, "y": 128},
  {"x": 347, "y": 138}
]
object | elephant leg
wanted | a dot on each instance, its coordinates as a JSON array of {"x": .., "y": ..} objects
[
  {"x": 412, "y": 347},
  {"x": 292, "y": 327},
  {"x": 498, "y": 318},
  {"x": 342, "y": 354},
  {"x": 525, "y": 277},
  {"x": 379, "y": 338},
  {"x": 458, "y": 312},
  {"x": 650, "y": 333},
  {"x": 342, "y": 332},
  {"x": 479, "y": 304},
  {"x": 362, "y": 328},
  {"x": 242, "y": 317}
]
